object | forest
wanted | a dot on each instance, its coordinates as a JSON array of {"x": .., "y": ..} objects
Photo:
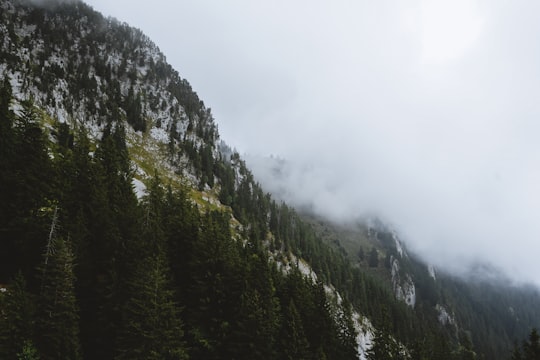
[{"x": 94, "y": 273}]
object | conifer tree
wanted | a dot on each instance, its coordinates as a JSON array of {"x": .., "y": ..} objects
[
  {"x": 112, "y": 241},
  {"x": 7, "y": 180},
  {"x": 361, "y": 254},
  {"x": 347, "y": 332},
  {"x": 151, "y": 325},
  {"x": 384, "y": 346},
  {"x": 373, "y": 259},
  {"x": 465, "y": 351},
  {"x": 516, "y": 353},
  {"x": 215, "y": 287},
  {"x": 531, "y": 348},
  {"x": 257, "y": 325},
  {"x": 249, "y": 341},
  {"x": 319, "y": 325},
  {"x": 6, "y": 127},
  {"x": 24, "y": 192},
  {"x": 17, "y": 310},
  {"x": 58, "y": 320},
  {"x": 294, "y": 344},
  {"x": 152, "y": 328},
  {"x": 181, "y": 225}
]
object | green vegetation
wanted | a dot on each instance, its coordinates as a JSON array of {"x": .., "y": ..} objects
[
  {"x": 530, "y": 348},
  {"x": 155, "y": 279}
]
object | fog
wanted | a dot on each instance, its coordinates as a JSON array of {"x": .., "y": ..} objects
[{"x": 423, "y": 113}]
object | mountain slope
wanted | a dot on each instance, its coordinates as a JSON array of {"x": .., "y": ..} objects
[
  {"x": 96, "y": 110},
  {"x": 493, "y": 312}
]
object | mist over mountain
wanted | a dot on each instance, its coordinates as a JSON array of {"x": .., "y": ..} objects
[
  {"x": 444, "y": 226},
  {"x": 422, "y": 113}
]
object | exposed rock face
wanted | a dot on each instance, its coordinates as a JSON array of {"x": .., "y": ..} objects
[
  {"x": 444, "y": 317},
  {"x": 403, "y": 285}
]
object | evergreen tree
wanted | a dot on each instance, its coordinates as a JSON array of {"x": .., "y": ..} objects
[
  {"x": 516, "y": 353},
  {"x": 319, "y": 325},
  {"x": 384, "y": 347},
  {"x": 294, "y": 344},
  {"x": 133, "y": 108},
  {"x": 116, "y": 230},
  {"x": 181, "y": 224},
  {"x": 151, "y": 324},
  {"x": 531, "y": 348},
  {"x": 6, "y": 138},
  {"x": 361, "y": 254},
  {"x": 24, "y": 192},
  {"x": 347, "y": 332},
  {"x": 7, "y": 181},
  {"x": 373, "y": 260},
  {"x": 465, "y": 351},
  {"x": 258, "y": 316},
  {"x": 215, "y": 287},
  {"x": 57, "y": 321},
  {"x": 87, "y": 219},
  {"x": 17, "y": 310}
]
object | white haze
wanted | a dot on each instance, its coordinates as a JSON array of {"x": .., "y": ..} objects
[{"x": 425, "y": 113}]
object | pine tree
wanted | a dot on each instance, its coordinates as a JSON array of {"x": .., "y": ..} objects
[
  {"x": 465, "y": 351},
  {"x": 7, "y": 180},
  {"x": 181, "y": 224},
  {"x": 516, "y": 353},
  {"x": 361, "y": 254},
  {"x": 23, "y": 192},
  {"x": 57, "y": 322},
  {"x": 6, "y": 128},
  {"x": 373, "y": 259},
  {"x": 257, "y": 324},
  {"x": 151, "y": 323},
  {"x": 294, "y": 344},
  {"x": 531, "y": 348},
  {"x": 320, "y": 327},
  {"x": 115, "y": 228},
  {"x": 17, "y": 311},
  {"x": 384, "y": 346},
  {"x": 347, "y": 332},
  {"x": 87, "y": 218},
  {"x": 215, "y": 288}
]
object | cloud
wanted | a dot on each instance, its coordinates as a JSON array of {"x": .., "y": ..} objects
[{"x": 424, "y": 113}]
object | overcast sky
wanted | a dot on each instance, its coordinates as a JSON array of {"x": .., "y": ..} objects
[{"x": 425, "y": 113}]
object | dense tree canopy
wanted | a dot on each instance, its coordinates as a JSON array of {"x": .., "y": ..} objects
[{"x": 114, "y": 277}]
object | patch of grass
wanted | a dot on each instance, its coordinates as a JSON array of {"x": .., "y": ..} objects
[{"x": 151, "y": 157}]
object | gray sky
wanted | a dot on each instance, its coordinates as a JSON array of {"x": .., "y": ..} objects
[{"x": 424, "y": 112}]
